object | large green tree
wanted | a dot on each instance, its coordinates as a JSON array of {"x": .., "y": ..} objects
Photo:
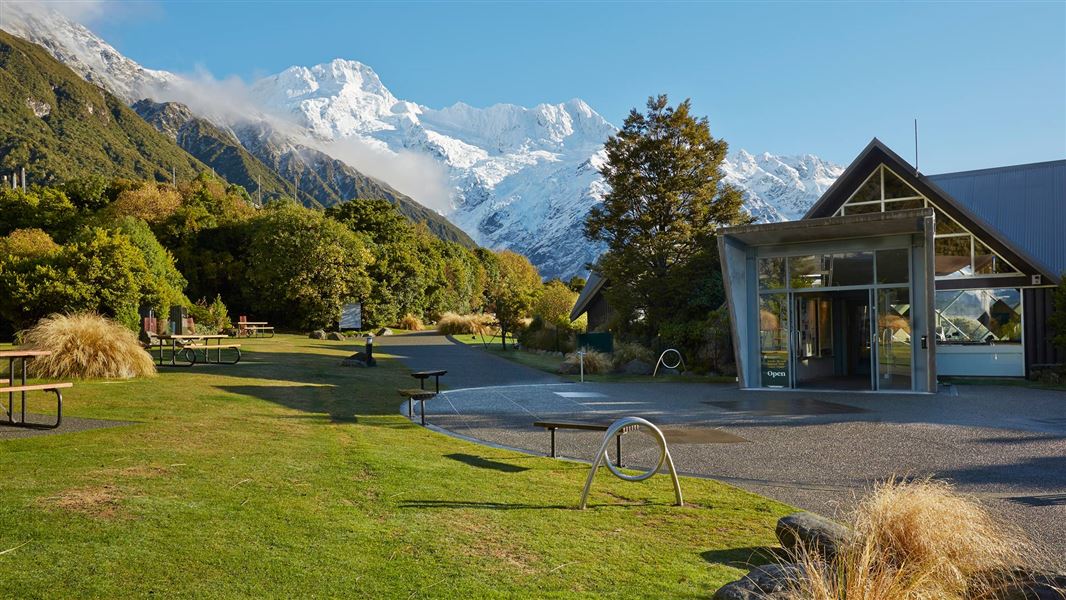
[
  {"x": 513, "y": 286},
  {"x": 303, "y": 266},
  {"x": 666, "y": 201}
]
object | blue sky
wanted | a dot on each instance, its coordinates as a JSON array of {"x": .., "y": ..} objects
[{"x": 987, "y": 81}]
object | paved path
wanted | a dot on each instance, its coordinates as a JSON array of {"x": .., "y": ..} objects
[
  {"x": 69, "y": 425},
  {"x": 813, "y": 450}
]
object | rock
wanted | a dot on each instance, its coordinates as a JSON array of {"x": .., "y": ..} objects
[
  {"x": 1027, "y": 585},
  {"x": 336, "y": 336},
  {"x": 317, "y": 334},
  {"x": 384, "y": 331},
  {"x": 808, "y": 530},
  {"x": 637, "y": 367},
  {"x": 668, "y": 371},
  {"x": 768, "y": 582}
]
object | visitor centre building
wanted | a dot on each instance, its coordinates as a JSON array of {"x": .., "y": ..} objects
[{"x": 894, "y": 278}]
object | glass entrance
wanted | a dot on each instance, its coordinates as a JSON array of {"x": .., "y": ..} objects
[{"x": 831, "y": 339}]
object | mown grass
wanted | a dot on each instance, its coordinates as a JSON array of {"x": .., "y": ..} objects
[
  {"x": 550, "y": 364},
  {"x": 290, "y": 476}
]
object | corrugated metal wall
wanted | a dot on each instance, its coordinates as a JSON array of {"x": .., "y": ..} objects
[{"x": 1036, "y": 308}]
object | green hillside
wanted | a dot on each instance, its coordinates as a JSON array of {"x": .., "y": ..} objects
[{"x": 59, "y": 126}]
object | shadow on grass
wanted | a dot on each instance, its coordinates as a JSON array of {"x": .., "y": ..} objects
[
  {"x": 745, "y": 558},
  {"x": 484, "y": 505},
  {"x": 484, "y": 463}
]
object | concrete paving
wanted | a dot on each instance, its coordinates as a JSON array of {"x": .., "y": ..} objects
[{"x": 815, "y": 450}]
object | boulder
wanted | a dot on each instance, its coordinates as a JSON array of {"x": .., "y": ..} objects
[
  {"x": 637, "y": 367},
  {"x": 384, "y": 331},
  {"x": 768, "y": 582},
  {"x": 317, "y": 334},
  {"x": 1029, "y": 585},
  {"x": 808, "y": 530},
  {"x": 336, "y": 336}
]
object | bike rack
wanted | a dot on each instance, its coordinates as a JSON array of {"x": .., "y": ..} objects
[
  {"x": 601, "y": 457},
  {"x": 662, "y": 361}
]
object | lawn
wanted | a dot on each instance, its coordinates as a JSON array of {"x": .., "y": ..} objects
[
  {"x": 290, "y": 476},
  {"x": 550, "y": 364}
]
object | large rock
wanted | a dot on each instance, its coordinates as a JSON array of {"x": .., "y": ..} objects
[
  {"x": 768, "y": 582},
  {"x": 317, "y": 334},
  {"x": 1034, "y": 586},
  {"x": 805, "y": 530},
  {"x": 336, "y": 336},
  {"x": 384, "y": 331},
  {"x": 637, "y": 367}
]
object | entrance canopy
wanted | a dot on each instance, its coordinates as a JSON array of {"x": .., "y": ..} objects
[{"x": 842, "y": 302}]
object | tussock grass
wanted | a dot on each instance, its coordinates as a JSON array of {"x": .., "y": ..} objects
[
  {"x": 411, "y": 323},
  {"x": 87, "y": 346},
  {"x": 595, "y": 362},
  {"x": 624, "y": 352},
  {"x": 917, "y": 541},
  {"x": 454, "y": 324}
]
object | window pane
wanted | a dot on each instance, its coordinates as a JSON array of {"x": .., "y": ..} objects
[
  {"x": 893, "y": 339},
  {"x": 870, "y": 190},
  {"x": 771, "y": 273},
  {"x": 945, "y": 224},
  {"x": 853, "y": 268},
  {"x": 892, "y": 266},
  {"x": 773, "y": 339},
  {"x": 807, "y": 271},
  {"x": 862, "y": 209},
  {"x": 896, "y": 188},
  {"x": 953, "y": 257},
  {"x": 986, "y": 262},
  {"x": 979, "y": 316},
  {"x": 904, "y": 204}
]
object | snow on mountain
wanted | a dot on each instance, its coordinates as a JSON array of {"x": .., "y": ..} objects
[
  {"x": 519, "y": 178},
  {"x": 80, "y": 49}
]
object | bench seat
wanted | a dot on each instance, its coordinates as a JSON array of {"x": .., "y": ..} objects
[
  {"x": 413, "y": 394},
  {"x": 210, "y": 346},
  {"x": 35, "y": 388},
  {"x": 551, "y": 426}
]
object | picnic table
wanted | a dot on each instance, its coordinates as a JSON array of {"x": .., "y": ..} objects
[
  {"x": 253, "y": 328},
  {"x": 8, "y": 386},
  {"x": 188, "y": 345}
]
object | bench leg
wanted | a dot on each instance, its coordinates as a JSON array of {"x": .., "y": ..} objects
[
  {"x": 59, "y": 409},
  {"x": 552, "y": 430},
  {"x": 410, "y": 407},
  {"x": 618, "y": 451},
  {"x": 423, "y": 407},
  {"x": 437, "y": 380}
]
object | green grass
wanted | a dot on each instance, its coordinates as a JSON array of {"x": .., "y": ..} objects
[
  {"x": 290, "y": 476},
  {"x": 550, "y": 364}
]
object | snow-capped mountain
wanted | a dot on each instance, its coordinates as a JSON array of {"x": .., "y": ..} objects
[
  {"x": 519, "y": 178},
  {"x": 80, "y": 49}
]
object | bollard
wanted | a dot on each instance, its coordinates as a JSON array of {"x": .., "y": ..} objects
[{"x": 370, "y": 362}]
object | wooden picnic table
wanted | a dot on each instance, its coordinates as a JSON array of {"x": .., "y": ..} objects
[
  {"x": 8, "y": 385},
  {"x": 190, "y": 348},
  {"x": 250, "y": 328}
]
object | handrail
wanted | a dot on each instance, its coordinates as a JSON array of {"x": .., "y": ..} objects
[{"x": 601, "y": 457}]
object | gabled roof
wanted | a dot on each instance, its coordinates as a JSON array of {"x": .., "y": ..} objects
[
  {"x": 877, "y": 153},
  {"x": 592, "y": 287},
  {"x": 1026, "y": 203}
]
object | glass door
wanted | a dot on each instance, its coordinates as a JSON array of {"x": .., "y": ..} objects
[
  {"x": 774, "y": 337},
  {"x": 894, "y": 347}
]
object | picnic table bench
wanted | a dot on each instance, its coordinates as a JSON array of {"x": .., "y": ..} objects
[
  {"x": 253, "y": 328},
  {"x": 421, "y": 395},
  {"x": 7, "y": 386},
  {"x": 422, "y": 376},
  {"x": 188, "y": 345},
  {"x": 551, "y": 426}
]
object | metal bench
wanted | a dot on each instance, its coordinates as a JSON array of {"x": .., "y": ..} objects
[
  {"x": 22, "y": 389},
  {"x": 416, "y": 394},
  {"x": 551, "y": 426},
  {"x": 422, "y": 376}
]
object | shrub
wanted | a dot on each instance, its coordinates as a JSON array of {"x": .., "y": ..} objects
[
  {"x": 87, "y": 346},
  {"x": 212, "y": 317},
  {"x": 410, "y": 323},
  {"x": 624, "y": 352},
  {"x": 595, "y": 362},
  {"x": 149, "y": 202},
  {"x": 453, "y": 324},
  {"x": 913, "y": 541}
]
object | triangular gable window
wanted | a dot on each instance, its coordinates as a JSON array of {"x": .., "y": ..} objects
[{"x": 958, "y": 252}]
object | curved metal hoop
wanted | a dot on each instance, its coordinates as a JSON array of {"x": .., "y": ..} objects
[
  {"x": 662, "y": 361},
  {"x": 601, "y": 457}
]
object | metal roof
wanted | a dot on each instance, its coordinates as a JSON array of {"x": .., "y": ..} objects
[
  {"x": 1024, "y": 203},
  {"x": 592, "y": 287}
]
